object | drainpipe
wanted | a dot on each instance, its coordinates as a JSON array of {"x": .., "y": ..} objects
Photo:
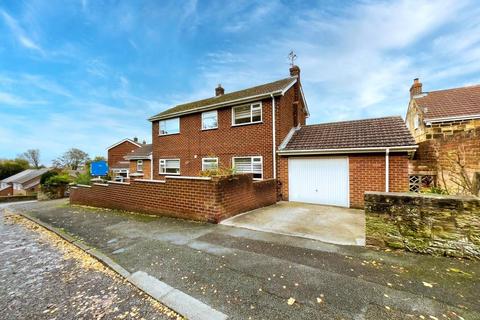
[
  {"x": 274, "y": 142},
  {"x": 151, "y": 166},
  {"x": 387, "y": 169}
]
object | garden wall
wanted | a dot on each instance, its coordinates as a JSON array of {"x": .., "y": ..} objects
[
  {"x": 433, "y": 224},
  {"x": 196, "y": 198}
]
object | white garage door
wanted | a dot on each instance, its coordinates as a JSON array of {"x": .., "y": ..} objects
[{"x": 319, "y": 180}]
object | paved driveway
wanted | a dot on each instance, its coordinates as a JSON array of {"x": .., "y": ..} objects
[{"x": 328, "y": 224}]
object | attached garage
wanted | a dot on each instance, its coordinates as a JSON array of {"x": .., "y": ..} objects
[
  {"x": 336, "y": 163},
  {"x": 319, "y": 180}
]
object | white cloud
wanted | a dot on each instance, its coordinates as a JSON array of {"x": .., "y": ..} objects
[
  {"x": 20, "y": 33},
  {"x": 12, "y": 100}
]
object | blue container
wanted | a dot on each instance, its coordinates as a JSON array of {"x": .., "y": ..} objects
[{"x": 99, "y": 168}]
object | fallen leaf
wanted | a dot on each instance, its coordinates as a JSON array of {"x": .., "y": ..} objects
[
  {"x": 291, "y": 301},
  {"x": 426, "y": 284}
]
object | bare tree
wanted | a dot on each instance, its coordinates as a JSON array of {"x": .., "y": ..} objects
[
  {"x": 72, "y": 159},
  {"x": 33, "y": 157},
  {"x": 458, "y": 173}
]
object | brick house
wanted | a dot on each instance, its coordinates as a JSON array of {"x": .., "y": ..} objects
[
  {"x": 256, "y": 131},
  {"x": 446, "y": 126},
  {"x": 140, "y": 162},
  {"x": 26, "y": 182},
  {"x": 118, "y": 167}
]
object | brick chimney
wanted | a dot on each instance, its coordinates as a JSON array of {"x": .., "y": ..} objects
[
  {"x": 294, "y": 71},
  {"x": 416, "y": 88},
  {"x": 219, "y": 91}
]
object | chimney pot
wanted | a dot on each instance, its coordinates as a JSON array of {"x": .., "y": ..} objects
[
  {"x": 135, "y": 139},
  {"x": 219, "y": 90},
  {"x": 416, "y": 88},
  {"x": 295, "y": 71}
]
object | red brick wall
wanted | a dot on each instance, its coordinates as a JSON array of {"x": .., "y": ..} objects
[
  {"x": 193, "y": 144},
  {"x": 195, "y": 199},
  {"x": 146, "y": 169},
  {"x": 367, "y": 173},
  {"x": 117, "y": 153},
  {"x": 7, "y": 191}
]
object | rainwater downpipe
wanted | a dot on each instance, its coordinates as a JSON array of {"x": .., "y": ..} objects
[
  {"x": 273, "y": 139},
  {"x": 387, "y": 169}
]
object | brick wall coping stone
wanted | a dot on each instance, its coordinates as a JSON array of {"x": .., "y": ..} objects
[
  {"x": 422, "y": 195},
  {"x": 101, "y": 184},
  {"x": 147, "y": 180},
  {"x": 116, "y": 182},
  {"x": 188, "y": 177},
  {"x": 83, "y": 185}
]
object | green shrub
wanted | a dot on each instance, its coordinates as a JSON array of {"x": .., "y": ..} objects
[
  {"x": 435, "y": 190},
  {"x": 219, "y": 172},
  {"x": 83, "y": 178}
]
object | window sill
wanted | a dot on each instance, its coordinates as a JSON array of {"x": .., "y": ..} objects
[
  {"x": 168, "y": 134},
  {"x": 246, "y": 124},
  {"x": 210, "y": 129},
  {"x": 169, "y": 174}
]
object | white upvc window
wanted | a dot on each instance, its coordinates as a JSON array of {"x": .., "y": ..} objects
[
  {"x": 416, "y": 121},
  {"x": 252, "y": 165},
  {"x": 209, "y": 120},
  {"x": 209, "y": 164},
  {"x": 169, "y": 126},
  {"x": 139, "y": 165},
  {"x": 247, "y": 114},
  {"x": 170, "y": 166}
]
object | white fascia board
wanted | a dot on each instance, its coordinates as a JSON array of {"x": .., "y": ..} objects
[
  {"x": 216, "y": 105},
  {"x": 456, "y": 118},
  {"x": 138, "y": 157},
  {"x": 124, "y": 140},
  {"x": 289, "y": 85},
  {"x": 305, "y": 102},
  {"x": 348, "y": 150}
]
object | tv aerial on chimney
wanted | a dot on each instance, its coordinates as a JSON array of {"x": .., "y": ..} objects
[{"x": 292, "y": 57}]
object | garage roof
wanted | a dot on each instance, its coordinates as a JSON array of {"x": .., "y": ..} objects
[{"x": 378, "y": 133}]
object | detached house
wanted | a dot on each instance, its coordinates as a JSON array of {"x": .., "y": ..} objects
[
  {"x": 26, "y": 182},
  {"x": 118, "y": 166},
  {"x": 262, "y": 131},
  {"x": 446, "y": 126}
]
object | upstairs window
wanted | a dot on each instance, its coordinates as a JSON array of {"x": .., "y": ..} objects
[
  {"x": 252, "y": 165},
  {"x": 209, "y": 120},
  {"x": 169, "y": 126},
  {"x": 170, "y": 166},
  {"x": 140, "y": 165},
  {"x": 209, "y": 164},
  {"x": 247, "y": 114},
  {"x": 416, "y": 122}
]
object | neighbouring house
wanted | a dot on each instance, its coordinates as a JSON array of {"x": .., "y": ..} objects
[
  {"x": 140, "y": 162},
  {"x": 118, "y": 167},
  {"x": 26, "y": 182},
  {"x": 446, "y": 126},
  {"x": 262, "y": 131}
]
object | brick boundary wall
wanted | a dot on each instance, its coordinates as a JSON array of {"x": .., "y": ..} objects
[
  {"x": 194, "y": 198},
  {"x": 17, "y": 198},
  {"x": 432, "y": 224}
]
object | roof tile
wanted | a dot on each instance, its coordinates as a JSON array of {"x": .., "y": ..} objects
[{"x": 369, "y": 133}]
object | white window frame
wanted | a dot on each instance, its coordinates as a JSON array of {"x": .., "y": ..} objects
[
  {"x": 204, "y": 114},
  {"x": 165, "y": 121},
  {"x": 251, "y": 114},
  {"x": 168, "y": 173},
  {"x": 416, "y": 121},
  {"x": 139, "y": 165},
  {"x": 203, "y": 163},
  {"x": 251, "y": 157}
]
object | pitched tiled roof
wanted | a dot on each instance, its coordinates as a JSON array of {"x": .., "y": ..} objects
[
  {"x": 264, "y": 89},
  {"x": 369, "y": 133},
  {"x": 143, "y": 152},
  {"x": 457, "y": 102},
  {"x": 25, "y": 175}
]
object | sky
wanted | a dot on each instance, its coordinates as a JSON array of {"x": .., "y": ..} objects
[{"x": 87, "y": 74}]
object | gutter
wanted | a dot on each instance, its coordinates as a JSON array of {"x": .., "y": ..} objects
[
  {"x": 220, "y": 104},
  {"x": 348, "y": 150},
  {"x": 467, "y": 117}
]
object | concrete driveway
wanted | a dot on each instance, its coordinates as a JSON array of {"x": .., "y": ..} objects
[{"x": 328, "y": 224}]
